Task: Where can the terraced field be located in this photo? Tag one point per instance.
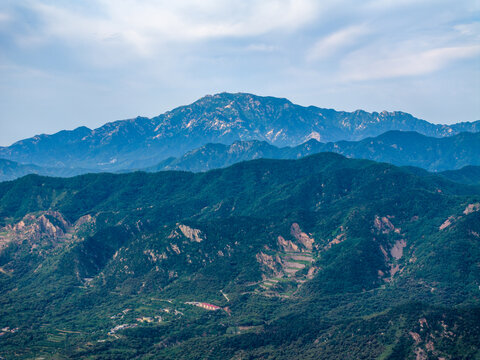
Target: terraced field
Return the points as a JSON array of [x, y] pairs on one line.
[[296, 268]]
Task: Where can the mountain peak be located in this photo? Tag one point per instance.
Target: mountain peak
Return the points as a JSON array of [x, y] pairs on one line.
[[218, 118], [240, 97]]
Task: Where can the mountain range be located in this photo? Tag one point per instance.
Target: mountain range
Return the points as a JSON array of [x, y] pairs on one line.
[[222, 118], [243, 227], [401, 148], [396, 147], [10, 170], [323, 257]]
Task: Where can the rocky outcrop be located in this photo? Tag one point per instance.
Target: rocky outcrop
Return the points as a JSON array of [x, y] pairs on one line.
[[397, 250], [447, 223], [471, 208], [269, 262], [85, 220], [50, 224], [384, 225], [336, 240], [301, 237], [192, 234], [286, 245], [427, 336], [45, 227]]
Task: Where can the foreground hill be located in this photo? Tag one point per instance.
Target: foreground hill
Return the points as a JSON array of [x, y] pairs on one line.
[[395, 147], [323, 257], [222, 118], [466, 175]]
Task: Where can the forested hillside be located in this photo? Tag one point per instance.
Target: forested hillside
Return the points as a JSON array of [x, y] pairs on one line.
[[322, 257]]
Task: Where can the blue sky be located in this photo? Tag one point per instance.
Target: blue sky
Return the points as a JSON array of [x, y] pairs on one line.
[[69, 63]]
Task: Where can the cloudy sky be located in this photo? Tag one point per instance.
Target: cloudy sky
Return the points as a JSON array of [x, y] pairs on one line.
[[69, 63]]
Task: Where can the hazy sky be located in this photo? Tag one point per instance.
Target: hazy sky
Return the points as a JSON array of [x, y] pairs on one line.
[[69, 63]]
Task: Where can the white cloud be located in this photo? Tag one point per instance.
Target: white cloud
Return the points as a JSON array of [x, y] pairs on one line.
[[375, 5], [470, 29], [333, 43], [4, 17], [261, 48], [146, 25], [401, 64]]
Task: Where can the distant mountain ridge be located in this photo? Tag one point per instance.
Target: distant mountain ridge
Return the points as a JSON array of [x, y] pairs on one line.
[[221, 118], [10, 170], [396, 147]]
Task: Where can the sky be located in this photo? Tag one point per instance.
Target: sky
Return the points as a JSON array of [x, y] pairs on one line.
[[65, 64]]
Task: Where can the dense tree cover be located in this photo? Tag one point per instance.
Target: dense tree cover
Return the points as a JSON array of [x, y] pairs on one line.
[[393, 269]]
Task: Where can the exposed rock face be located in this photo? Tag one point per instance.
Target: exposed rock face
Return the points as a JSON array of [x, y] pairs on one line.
[[270, 262], [301, 237], [48, 226], [415, 336], [471, 208], [84, 220], [384, 225], [337, 240], [175, 248], [447, 223], [393, 270], [426, 336], [391, 259], [49, 223], [397, 250], [311, 272], [286, 245], [192, 234], [384, 252], [154, 256]]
